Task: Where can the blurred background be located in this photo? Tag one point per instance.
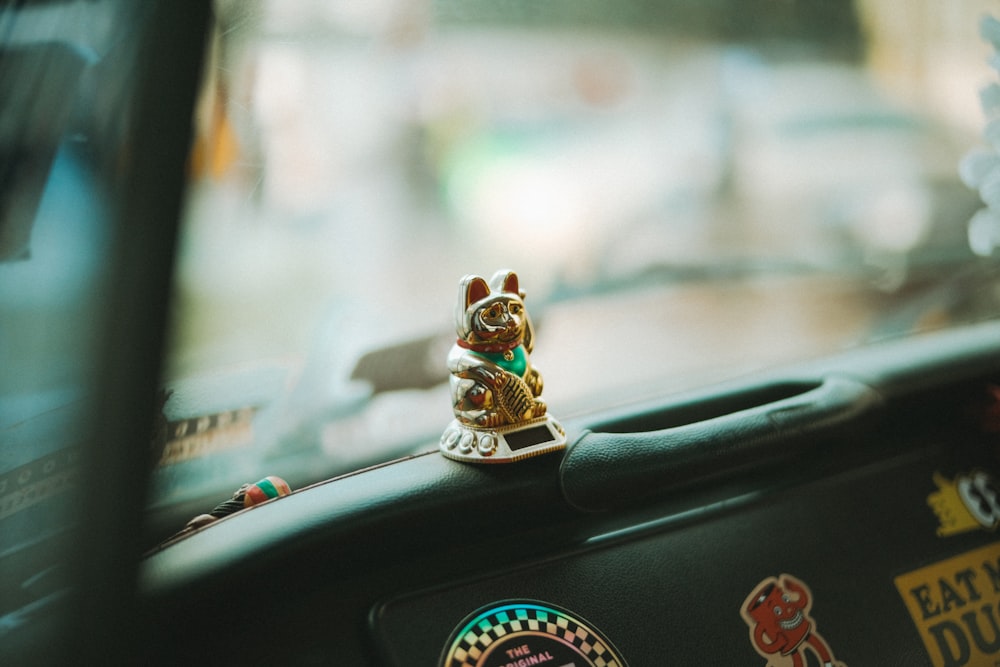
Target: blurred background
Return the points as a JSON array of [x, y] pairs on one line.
[[689, 190]]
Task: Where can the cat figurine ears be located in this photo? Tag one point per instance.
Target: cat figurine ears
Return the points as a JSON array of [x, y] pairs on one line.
[[500, 416]]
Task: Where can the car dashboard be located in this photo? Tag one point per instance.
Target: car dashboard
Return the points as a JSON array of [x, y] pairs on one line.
[[862, 488]]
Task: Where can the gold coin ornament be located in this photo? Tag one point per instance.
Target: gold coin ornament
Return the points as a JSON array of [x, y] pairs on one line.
[[496, 392]]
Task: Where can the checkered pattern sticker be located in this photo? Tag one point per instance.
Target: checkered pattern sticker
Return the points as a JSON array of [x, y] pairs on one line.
[[522, 634]]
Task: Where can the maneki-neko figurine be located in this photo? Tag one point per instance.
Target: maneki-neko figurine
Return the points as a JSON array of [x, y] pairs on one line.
[[496, 392]]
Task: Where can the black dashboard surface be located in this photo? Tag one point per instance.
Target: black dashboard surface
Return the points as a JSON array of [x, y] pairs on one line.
[[866, 513]]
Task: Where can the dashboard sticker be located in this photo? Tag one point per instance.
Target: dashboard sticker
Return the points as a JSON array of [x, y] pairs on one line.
[[781, 629], [967, 502], [522, 633], [954, 606]]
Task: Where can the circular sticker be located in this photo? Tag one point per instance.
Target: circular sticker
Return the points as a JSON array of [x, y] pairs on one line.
[[521, 633]]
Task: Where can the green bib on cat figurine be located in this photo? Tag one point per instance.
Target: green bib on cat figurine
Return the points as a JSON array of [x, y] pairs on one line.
[[518, 365]]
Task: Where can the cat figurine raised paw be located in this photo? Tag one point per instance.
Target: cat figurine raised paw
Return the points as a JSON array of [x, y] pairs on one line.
[[496, 392]]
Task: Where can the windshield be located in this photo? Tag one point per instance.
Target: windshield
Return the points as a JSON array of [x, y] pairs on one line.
[[687, 192]]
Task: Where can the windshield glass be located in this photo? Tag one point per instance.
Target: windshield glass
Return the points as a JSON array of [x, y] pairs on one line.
[[688, 192]]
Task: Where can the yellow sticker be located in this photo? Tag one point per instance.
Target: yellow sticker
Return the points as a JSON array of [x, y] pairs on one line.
[[954, 606], [968, 502]]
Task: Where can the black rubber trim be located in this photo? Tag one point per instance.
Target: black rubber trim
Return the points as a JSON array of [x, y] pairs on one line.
[[605, 470]]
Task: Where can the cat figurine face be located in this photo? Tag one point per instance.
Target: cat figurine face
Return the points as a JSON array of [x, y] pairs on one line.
[[492, 381], [491, 316]]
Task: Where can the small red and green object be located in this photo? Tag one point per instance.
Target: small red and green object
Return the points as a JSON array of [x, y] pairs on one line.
[[248, 495], [264, 490]]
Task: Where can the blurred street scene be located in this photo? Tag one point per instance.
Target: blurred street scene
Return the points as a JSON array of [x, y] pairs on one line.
[[688, 194]]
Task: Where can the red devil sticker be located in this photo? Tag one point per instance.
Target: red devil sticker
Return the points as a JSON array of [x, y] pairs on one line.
[[780, 626]]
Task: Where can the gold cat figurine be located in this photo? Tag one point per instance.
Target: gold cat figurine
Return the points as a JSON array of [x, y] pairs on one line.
[[493, 383], [496, 392]]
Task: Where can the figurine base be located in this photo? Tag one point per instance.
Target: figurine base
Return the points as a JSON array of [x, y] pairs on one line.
[[502, 445]]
